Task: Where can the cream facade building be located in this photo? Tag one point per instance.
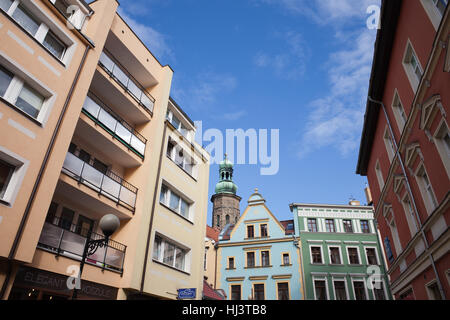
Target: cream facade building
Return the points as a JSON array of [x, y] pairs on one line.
[[88, 128]]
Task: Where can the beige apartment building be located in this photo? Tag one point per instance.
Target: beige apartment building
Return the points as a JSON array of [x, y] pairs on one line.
[[88, 128]]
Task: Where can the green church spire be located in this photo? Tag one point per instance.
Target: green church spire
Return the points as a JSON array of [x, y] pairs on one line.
[[226, 184]]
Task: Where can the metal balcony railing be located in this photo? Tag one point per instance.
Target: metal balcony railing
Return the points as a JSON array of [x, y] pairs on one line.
[[108, 184], [66, 239], [117, 127], [126, 80]]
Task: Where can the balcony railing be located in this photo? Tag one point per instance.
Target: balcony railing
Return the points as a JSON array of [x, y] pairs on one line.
[[108, 184], [112, 123], [126, 80], [63, 238]]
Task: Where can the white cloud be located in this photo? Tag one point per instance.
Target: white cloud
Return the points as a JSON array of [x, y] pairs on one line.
[[324, 12], [203, 91], [154, 40], [336, 119], [291, 62]]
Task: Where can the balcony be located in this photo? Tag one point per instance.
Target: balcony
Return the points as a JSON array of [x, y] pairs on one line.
[[68, 240], [114, 125], [126, 81], [107, 184]]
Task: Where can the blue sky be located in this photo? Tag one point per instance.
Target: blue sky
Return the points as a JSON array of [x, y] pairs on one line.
[[299, 66]]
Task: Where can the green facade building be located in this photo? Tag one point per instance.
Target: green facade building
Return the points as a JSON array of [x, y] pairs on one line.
[[341, 254]]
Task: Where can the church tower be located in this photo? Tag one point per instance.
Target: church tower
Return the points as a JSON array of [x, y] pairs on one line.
[[225, 201]]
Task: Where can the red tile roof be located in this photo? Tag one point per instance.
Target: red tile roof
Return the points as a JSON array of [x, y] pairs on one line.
[[212, 233], [210, 293], [285, 225]]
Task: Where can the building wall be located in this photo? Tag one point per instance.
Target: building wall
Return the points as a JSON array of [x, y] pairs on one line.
[[277, 243], [418, 145], [109, 32], [323, 239]]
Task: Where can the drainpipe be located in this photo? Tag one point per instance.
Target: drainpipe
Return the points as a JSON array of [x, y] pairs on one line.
[[382, 257], [144, 269], [37, 183], [416, 212]]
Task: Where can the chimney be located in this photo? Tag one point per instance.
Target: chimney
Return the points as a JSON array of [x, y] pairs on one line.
[[368, 196], [354, 203]]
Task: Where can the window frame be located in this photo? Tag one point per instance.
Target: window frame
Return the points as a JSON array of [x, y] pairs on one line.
[[432, 12], [254, 259], [389, 144], [399, 111], [261, 229], [231, 290], [254, 291], [341, 261], [351, 226], [311, 255], [327, 224], [177, 247], [379, 175], [430, 200], [277, 283], [324, 279], [368, 226], [409, 69], [247, 231], [315, 224], [358, 255], [182, 198], [268, 257], [45, 25], [376, 256], [289, 259], [385, 292], [443, 149], [17, 176], [344, 280], [366, 293], [229, 264]]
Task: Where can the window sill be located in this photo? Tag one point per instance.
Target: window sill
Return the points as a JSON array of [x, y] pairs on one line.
[[230, 269], [173, 211], [33, 38], [286, 265], [12, 106], [173, 268], [4, 202], [257, 238], [258, 267]]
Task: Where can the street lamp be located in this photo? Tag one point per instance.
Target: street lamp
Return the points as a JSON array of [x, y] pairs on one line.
[[108, 224]]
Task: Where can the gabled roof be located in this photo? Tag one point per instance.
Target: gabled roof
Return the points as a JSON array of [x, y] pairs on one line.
[[212, 233], [390, 11]]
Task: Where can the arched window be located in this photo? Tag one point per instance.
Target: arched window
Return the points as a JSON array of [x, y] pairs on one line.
[[218, 221], [227, 219], [228, 175]]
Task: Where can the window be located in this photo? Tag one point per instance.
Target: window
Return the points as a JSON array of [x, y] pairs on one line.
[[365, 226], [312, 225], [26, 19], [340, 290], [265, 258], [286, 259], [263, 229], [174, 202], [407, 295], [360, 291], [84, 225], [236, 292], [283, 290], [329, 224], [353, 255], [177, 123], [258, 289], [395, 237], [433, 291], [348, 227], [6, 172], [250, 259], [440, 5], [389, 145], [371, 256], [169, 254], [66, 218], [177, 155], [231, 263], [320, 290], [378, 291], [17, 92], [54, 45], [5, 4], [379, 175], [250, 232], [409, 213], [335, 255], [442, 142], [426, 190], [316, 255], [51, 213], [412, 67], [218, 220], [5, 80], [399, 112]]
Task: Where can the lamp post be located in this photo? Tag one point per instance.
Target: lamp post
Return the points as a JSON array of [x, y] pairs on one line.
[[108, 224]]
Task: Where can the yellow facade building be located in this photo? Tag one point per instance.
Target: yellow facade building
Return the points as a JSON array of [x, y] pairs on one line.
[[88, 128]]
